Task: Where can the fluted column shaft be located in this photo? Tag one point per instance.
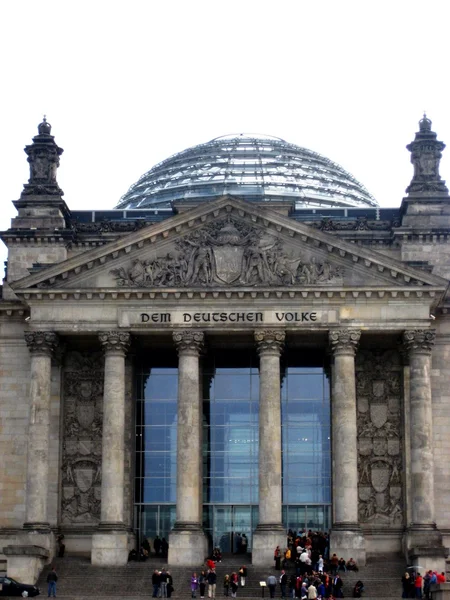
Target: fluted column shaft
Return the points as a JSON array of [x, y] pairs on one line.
[[419, 344], [115, 345], [269, 346], [189, 468], [343, 343], [41, 345]]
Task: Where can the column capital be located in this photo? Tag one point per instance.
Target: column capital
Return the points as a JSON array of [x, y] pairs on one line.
[[270, 340], [116, 342], [344, 341], [420, 341], [189, 341], [42, 342]]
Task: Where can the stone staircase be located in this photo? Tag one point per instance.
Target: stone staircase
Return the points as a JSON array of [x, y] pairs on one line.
[[79, 580]]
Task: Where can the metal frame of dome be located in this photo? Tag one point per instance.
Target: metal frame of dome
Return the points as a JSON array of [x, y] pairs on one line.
[[251, 166]]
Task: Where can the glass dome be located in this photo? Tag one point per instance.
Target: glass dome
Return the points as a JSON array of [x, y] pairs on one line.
[[250, 166]]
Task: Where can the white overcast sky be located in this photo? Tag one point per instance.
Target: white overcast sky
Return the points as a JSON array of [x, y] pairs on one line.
[[126, 84]]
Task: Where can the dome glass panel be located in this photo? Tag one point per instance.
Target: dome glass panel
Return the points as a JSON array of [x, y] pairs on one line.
[[250, 166]]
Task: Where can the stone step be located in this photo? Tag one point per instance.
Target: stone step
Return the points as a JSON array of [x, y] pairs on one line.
[[79, 580]]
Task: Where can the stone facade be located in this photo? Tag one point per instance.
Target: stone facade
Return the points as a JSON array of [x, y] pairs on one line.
[[79, 298]]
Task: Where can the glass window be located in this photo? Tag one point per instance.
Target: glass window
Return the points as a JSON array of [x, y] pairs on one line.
[[305, 410], [231, 423]]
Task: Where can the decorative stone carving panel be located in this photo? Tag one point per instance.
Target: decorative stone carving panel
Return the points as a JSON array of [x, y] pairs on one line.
[[82, 438], [379, 390], [227, 252]]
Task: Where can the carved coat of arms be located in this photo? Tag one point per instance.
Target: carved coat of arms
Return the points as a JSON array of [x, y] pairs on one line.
[[227, 252]]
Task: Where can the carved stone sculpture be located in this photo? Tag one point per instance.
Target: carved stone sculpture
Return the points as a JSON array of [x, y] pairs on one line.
[[426, 154], [344, 341], [227, 253], [82, 445], [43, 156], [379, 390], [269, 340], [115, 341], [42, 342], [419, 340], [188, 340]]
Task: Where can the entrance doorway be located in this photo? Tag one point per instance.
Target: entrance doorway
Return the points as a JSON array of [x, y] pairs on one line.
[[230, 524]]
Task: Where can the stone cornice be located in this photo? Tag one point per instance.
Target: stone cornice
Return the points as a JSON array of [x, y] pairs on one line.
[[386, 267], [300, 293]]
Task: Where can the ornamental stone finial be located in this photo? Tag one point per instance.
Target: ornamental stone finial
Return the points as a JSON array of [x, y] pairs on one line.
[[270, 340], [189, 341], [344, 341], [43, 157], [115, 341], [419, 340], [42, 342], [426, 154]]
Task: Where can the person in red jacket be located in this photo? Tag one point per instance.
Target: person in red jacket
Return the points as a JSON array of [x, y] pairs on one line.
[[418, 581], [441, 577]]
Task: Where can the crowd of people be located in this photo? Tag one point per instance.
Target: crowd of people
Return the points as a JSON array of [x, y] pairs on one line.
[[313, 575], [416, 586], [162, 583]]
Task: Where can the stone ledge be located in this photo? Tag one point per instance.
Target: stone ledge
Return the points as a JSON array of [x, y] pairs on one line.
[[30, 550]]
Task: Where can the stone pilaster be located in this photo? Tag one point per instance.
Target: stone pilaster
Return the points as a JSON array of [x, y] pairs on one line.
[[346, 533], [110, 543], [424, 540], [41, 345], [187, 542], [269, 532]]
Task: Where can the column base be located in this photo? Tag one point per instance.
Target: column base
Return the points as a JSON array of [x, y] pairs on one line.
[[188, 545], [347, 540], [110, 545], [265, 539], [425, 547], [24, 563]]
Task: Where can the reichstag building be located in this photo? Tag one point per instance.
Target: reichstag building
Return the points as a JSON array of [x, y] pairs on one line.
[[246, 343]]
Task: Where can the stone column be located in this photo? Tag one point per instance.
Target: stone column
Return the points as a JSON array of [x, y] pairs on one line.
[[187, 541], [110, 543], [346, 536], [270, 532], [423, 535], [41, 345]]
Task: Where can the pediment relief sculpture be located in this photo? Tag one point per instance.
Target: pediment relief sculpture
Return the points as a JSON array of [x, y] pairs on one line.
[[227, 252]]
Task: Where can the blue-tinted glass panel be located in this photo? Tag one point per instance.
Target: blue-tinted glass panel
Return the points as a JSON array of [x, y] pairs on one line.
[[231, 423], [161, 386], [306, 452]]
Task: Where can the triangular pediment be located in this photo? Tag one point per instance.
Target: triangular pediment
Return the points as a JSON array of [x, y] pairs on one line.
[[227, 244]]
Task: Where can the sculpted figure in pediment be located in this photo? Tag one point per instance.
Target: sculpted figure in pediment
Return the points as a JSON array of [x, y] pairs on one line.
[[227, 253]]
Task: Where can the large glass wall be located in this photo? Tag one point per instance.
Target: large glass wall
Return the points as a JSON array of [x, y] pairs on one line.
[[230, 388], [230, 446], [306, 443], [156, 445]]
